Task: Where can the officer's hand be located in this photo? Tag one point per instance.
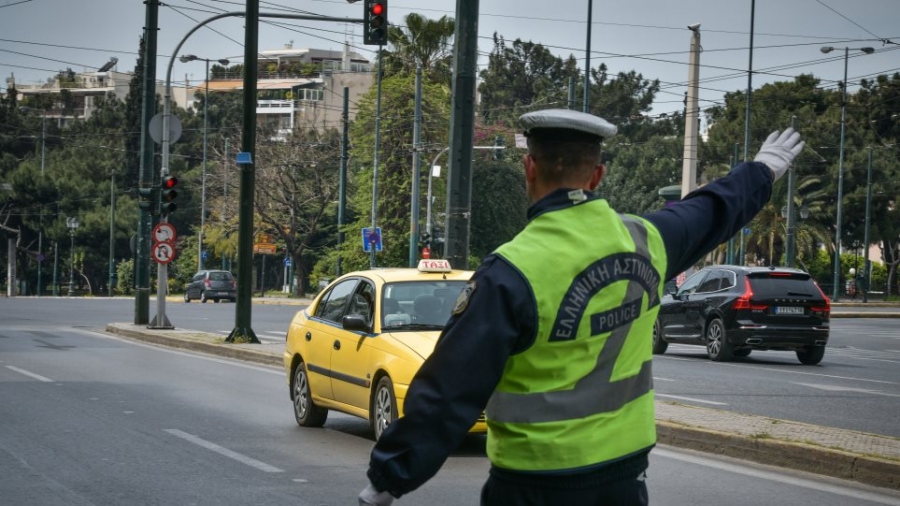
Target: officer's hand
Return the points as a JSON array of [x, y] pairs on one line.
[[779, 151], [371, 497]]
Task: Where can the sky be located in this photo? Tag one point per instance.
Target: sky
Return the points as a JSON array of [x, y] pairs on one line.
[[39, 38]]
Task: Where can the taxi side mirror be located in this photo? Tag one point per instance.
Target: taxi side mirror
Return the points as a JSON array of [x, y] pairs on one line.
[[355, 322]]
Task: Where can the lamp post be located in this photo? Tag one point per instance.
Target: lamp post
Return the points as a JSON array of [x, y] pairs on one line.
[[72, 223], [184, 59], [867, 274], [431, 174], [791, 231], [40, 257], [837, 233]]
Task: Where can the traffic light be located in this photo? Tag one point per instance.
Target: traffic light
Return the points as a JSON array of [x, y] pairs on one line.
[[499, 141], [375, 25], [168, 194], [146, 200]]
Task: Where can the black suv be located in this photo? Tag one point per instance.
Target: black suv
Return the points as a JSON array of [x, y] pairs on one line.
[[733, 310], [215, 285]]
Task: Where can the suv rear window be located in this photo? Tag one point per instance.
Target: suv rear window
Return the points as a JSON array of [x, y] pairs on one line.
[[220, 276], [782, 284]]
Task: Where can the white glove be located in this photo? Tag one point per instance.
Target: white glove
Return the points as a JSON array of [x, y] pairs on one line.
[[371, 497], [779, 151]]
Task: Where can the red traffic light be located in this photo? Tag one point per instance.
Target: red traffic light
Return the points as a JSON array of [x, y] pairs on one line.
[[169, 182], [377, 9]]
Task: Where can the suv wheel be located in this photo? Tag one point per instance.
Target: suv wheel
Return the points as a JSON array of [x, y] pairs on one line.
[[717, 346], [203, 298], [811, 355], [187, 298], [659, 345]]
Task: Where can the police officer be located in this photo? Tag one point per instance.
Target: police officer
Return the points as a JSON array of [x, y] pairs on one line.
[[551, 338]]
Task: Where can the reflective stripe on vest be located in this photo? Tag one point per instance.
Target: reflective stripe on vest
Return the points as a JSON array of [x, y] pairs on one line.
[[595, 393]]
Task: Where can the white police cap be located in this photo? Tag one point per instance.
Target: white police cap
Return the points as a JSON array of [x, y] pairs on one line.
[[566, 119]]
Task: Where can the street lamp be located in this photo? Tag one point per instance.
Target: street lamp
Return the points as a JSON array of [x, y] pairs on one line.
[[72, 223], [184, 59], [837, 234], [40, 257]]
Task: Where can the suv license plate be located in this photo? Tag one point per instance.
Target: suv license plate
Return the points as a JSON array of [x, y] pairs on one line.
[[789, 310]]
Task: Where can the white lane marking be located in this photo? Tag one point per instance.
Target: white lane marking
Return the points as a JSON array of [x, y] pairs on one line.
[[714, 403], [833, 388], [262, 466], [785, 371], [29, 373], [657, 378], [778, 477]]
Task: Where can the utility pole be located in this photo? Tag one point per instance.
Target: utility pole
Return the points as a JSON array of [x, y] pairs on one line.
[[342, 191], [789, 211], [586, 104], [225, 165], [242, 328], [416, 175], [691, 117], [867, 274], [375, 158], [749, 86], [148, 109], [112, 233], [459, 189]]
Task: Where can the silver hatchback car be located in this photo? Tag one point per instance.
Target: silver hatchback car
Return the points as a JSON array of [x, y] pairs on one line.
[[211, 285]]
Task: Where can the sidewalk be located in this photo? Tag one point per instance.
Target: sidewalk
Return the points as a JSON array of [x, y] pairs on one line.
[[866, 458]]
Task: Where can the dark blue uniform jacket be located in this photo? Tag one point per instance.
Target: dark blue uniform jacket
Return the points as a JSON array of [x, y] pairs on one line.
[[453, 386]]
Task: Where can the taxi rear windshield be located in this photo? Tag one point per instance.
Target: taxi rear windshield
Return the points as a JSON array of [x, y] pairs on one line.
[[777, 284]]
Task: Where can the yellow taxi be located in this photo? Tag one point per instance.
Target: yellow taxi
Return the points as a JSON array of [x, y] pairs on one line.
[[356, 348]]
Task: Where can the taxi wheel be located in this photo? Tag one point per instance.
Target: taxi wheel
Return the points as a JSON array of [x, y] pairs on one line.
[[203, 298], [384, 406], [305, 410]]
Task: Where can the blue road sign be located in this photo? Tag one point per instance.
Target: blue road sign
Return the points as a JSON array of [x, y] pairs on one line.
[[369, 238], [205, 254], [747, 231], [287, 261]]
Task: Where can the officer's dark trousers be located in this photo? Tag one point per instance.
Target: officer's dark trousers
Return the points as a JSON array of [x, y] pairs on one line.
[[544, 490]]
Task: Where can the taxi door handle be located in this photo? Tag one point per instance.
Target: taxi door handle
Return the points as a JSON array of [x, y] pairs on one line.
[[337, 344], [308, 336]]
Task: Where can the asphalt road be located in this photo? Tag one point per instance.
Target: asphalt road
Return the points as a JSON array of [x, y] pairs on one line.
[[89, 419], [857, 385]]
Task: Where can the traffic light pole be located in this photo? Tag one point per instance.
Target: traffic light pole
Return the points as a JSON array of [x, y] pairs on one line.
[[148, 109], [245, 239]]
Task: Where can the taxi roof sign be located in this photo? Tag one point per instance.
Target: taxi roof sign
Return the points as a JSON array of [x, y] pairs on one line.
[[434, 265]]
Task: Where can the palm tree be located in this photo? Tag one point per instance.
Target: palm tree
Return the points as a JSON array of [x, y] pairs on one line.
[[425, 42], [769, 228]]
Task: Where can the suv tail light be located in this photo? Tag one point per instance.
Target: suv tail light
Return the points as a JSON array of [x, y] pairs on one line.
[[744, 302], [823, 311], [233, 283], [206, 282]]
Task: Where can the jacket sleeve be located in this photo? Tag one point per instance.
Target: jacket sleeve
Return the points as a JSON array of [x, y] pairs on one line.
[[710, 215], [452, 388]]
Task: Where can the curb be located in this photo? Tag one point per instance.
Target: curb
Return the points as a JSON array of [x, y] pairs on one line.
[[804, 457], [866, 314], [192, 341]]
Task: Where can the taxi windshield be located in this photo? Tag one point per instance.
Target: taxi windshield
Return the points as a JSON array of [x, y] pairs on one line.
[[418, 305]]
